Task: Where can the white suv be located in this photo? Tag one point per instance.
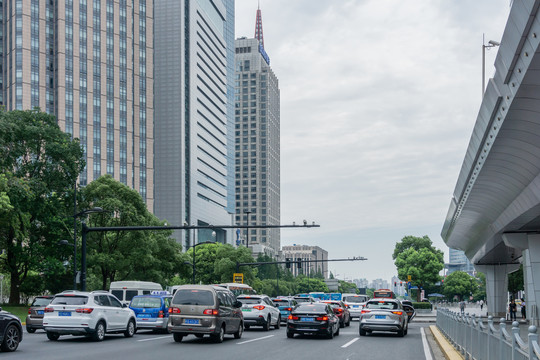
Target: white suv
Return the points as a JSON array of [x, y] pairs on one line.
[[259, 310], [87, 313]]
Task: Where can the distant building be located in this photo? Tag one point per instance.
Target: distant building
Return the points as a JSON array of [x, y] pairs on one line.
[[361, 283], [257, 145], [380, 284], [306, 252], [459, 262]]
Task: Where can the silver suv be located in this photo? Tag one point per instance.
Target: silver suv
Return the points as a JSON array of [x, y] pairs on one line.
[[87, 313], [260, 310]]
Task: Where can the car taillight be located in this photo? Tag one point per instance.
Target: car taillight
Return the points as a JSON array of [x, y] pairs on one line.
[[29, 310], [365, 311], [291, 317], [397, 312], [49, 309], [214, 312], [84, 310], [160, 314], [259, 307], [322, 318], [288, 309], [174, 310], [338, 310]]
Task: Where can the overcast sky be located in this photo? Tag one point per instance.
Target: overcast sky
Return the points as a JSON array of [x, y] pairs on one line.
[[378, 102]]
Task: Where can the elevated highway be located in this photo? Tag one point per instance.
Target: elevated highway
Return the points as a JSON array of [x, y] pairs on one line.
[[494, 214]]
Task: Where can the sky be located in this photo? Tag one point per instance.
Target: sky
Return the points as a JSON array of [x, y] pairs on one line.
[[378, 102]]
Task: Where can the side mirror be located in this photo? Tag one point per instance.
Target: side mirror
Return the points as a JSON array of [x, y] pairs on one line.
[[237, 304]]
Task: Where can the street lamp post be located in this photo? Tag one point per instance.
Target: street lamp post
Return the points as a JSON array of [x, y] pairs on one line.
[[193, 261], [491, 43], [247, 212]]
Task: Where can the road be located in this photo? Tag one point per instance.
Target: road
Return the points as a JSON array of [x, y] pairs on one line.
[[254, 344]]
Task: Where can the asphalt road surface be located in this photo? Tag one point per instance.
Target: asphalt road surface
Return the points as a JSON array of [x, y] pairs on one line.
[[254, 344]]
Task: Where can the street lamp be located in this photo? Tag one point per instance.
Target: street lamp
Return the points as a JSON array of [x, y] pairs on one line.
[[83, 250], [491, 43], [194, 246], [247, 212]]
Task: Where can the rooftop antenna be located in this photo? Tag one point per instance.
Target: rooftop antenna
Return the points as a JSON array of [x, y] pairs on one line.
[[258, 25]]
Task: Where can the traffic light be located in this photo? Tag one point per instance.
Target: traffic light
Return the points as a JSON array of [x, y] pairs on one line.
[[401, 283], [395, 283], [288, 263]]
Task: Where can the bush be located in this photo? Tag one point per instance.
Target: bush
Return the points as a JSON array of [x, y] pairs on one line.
[[421, 305]]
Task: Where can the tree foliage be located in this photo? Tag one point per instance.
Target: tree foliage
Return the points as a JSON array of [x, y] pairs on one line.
[[515, 281], [347, 287], [461, 284], [39, 163], [418, 258]]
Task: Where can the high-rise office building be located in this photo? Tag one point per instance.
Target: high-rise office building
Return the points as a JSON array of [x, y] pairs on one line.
[[458, 261], [90, 63], [312, 258], [257, 144], [194, 117]]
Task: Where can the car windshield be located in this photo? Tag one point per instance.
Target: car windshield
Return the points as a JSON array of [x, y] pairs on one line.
[[281, 302], [302, 300], [334, 305], [249, 301], [354, 299], [387, 305], [146, 302], [69, 300], [193, 297], [314, 308], [41, 302]]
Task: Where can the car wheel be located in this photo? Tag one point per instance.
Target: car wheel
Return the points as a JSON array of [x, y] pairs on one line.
[[52, 336], [401, 332], [218, 338], [178, 337], [199, 336], [30, 330], [278, 323], [331, 333], [290, 334], [99, 334], [238, 334], [406, 331], [362, 332], [12, 337], [246, 327], [348, 322], [342, 324], [130, 330], [266, 326], [337, 332]]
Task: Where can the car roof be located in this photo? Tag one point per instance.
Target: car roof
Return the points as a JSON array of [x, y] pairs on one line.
[[251, 296]]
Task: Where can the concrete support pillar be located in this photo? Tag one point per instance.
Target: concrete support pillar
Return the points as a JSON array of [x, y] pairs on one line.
[[529, 244], [497, 287]]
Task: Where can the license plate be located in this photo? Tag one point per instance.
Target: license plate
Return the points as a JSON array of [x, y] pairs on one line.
[[64, 313], [191, 321], [308, 319], [146, 316], [39, 312], [355, 306], [246, 310], [380, 316]]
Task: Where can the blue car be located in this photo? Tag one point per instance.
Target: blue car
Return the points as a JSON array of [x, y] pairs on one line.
[[152, 311], [285, 306]]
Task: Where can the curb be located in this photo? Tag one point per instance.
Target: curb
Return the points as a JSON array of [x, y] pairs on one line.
[[450, 353]]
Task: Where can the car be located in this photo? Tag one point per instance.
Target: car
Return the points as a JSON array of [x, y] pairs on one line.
[[355, 303], [285, 306], [341, 311], [313, 319], [87, 313], [126, 290], [259, 310], [384, 314], [34, 319], [11, 331], [205, 310], [152, 311], [304, 299]]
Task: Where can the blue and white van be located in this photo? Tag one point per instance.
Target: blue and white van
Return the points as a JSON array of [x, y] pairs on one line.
[[152, 311]]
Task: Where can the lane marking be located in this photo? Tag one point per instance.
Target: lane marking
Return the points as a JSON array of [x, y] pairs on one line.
[[427, 352], [156, 338], [350, 342], [248, 341]]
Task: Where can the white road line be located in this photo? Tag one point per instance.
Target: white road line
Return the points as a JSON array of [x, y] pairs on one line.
[[350, 342], [248, 341], [156, 338], [427, 352]]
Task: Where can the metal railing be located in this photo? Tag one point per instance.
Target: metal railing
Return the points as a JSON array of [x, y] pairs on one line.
[[476, 341]]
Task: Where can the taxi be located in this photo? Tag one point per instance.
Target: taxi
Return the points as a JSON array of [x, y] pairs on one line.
[[152, 311]]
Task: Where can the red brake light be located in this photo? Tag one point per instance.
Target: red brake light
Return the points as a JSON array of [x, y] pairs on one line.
[[49, 309], [259, 307], [214, 312], [291, 317], [174, 310], [364, 311], [322, 318], [288, 309], [397, 312], [338, 310], [160, 314], [84, 310], [29, 311]]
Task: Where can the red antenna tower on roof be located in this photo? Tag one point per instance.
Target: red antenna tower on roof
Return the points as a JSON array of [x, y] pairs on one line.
[[258, 27]]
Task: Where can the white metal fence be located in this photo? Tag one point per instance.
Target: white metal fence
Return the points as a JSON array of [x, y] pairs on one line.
[[478, 341]]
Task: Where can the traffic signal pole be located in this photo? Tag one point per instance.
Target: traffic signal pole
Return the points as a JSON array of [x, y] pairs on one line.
[[258, 263]]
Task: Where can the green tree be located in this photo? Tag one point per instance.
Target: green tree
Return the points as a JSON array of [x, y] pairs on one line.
[[347, 287], [39, 162], [306, 285], [149, 255], [459, 283], [416, 257], [515, 281]]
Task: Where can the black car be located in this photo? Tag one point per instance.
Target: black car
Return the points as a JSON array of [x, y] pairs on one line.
[[313, 319], [10, 331]]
